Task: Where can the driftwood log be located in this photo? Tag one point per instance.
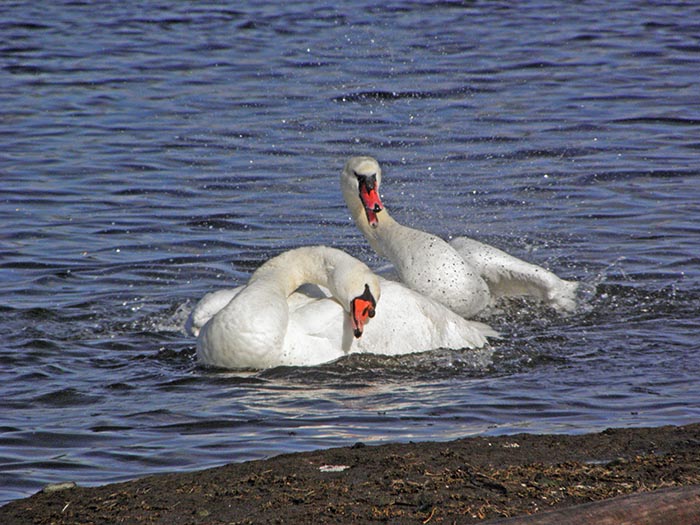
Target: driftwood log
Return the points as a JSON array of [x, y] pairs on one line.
[[675, 506]]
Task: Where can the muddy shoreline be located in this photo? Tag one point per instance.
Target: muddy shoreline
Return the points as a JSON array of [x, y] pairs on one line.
[[469, 480]]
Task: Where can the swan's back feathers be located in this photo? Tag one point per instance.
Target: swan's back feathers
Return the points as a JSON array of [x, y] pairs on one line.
[[207, 307], [408, 322], [249, 331]]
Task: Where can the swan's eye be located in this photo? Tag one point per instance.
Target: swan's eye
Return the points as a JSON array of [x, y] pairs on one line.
[[371, 312], [367, 181], [367, 296]]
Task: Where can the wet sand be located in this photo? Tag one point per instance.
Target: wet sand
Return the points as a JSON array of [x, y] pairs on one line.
[[470, 480]]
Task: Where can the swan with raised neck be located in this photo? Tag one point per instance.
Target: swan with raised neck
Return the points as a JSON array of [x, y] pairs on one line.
[[464, 275]]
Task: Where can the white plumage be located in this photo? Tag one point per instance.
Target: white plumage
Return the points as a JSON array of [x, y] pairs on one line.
[[294, 311], [464, 275]]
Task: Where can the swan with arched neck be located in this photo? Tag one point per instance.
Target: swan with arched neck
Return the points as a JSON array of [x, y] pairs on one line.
[[312, 305]]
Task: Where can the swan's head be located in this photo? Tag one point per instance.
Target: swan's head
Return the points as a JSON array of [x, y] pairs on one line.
[[362, 309], [360, 180], [356, 287]]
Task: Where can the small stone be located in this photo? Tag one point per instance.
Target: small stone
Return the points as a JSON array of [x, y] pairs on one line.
[[56, 487], [333, 468]]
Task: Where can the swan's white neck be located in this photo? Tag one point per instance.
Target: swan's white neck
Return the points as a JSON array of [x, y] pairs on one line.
[[372, 233], [387, 237], [327, 267]]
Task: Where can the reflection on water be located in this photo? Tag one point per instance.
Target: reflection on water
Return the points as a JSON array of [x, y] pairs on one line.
[[151, 156]]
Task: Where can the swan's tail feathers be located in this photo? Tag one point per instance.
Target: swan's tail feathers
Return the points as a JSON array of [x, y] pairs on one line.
[[562, 297], [470, 334], [486, 330]]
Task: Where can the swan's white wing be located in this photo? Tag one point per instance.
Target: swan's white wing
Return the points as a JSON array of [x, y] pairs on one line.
[[431, 267], [316, 332], [213, 302], [508, 276], [407, 322]]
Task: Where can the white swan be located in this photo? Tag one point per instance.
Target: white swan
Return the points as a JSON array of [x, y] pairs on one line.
[[464, 275], [274, 320]]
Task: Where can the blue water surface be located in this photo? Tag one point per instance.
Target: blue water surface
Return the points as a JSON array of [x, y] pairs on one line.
[[152, 152]]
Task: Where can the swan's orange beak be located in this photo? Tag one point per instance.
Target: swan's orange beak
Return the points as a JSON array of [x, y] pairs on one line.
[[362, 309], [370, 197]]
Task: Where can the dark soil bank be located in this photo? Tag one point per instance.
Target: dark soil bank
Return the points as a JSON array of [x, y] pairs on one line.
[[464, 481]]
